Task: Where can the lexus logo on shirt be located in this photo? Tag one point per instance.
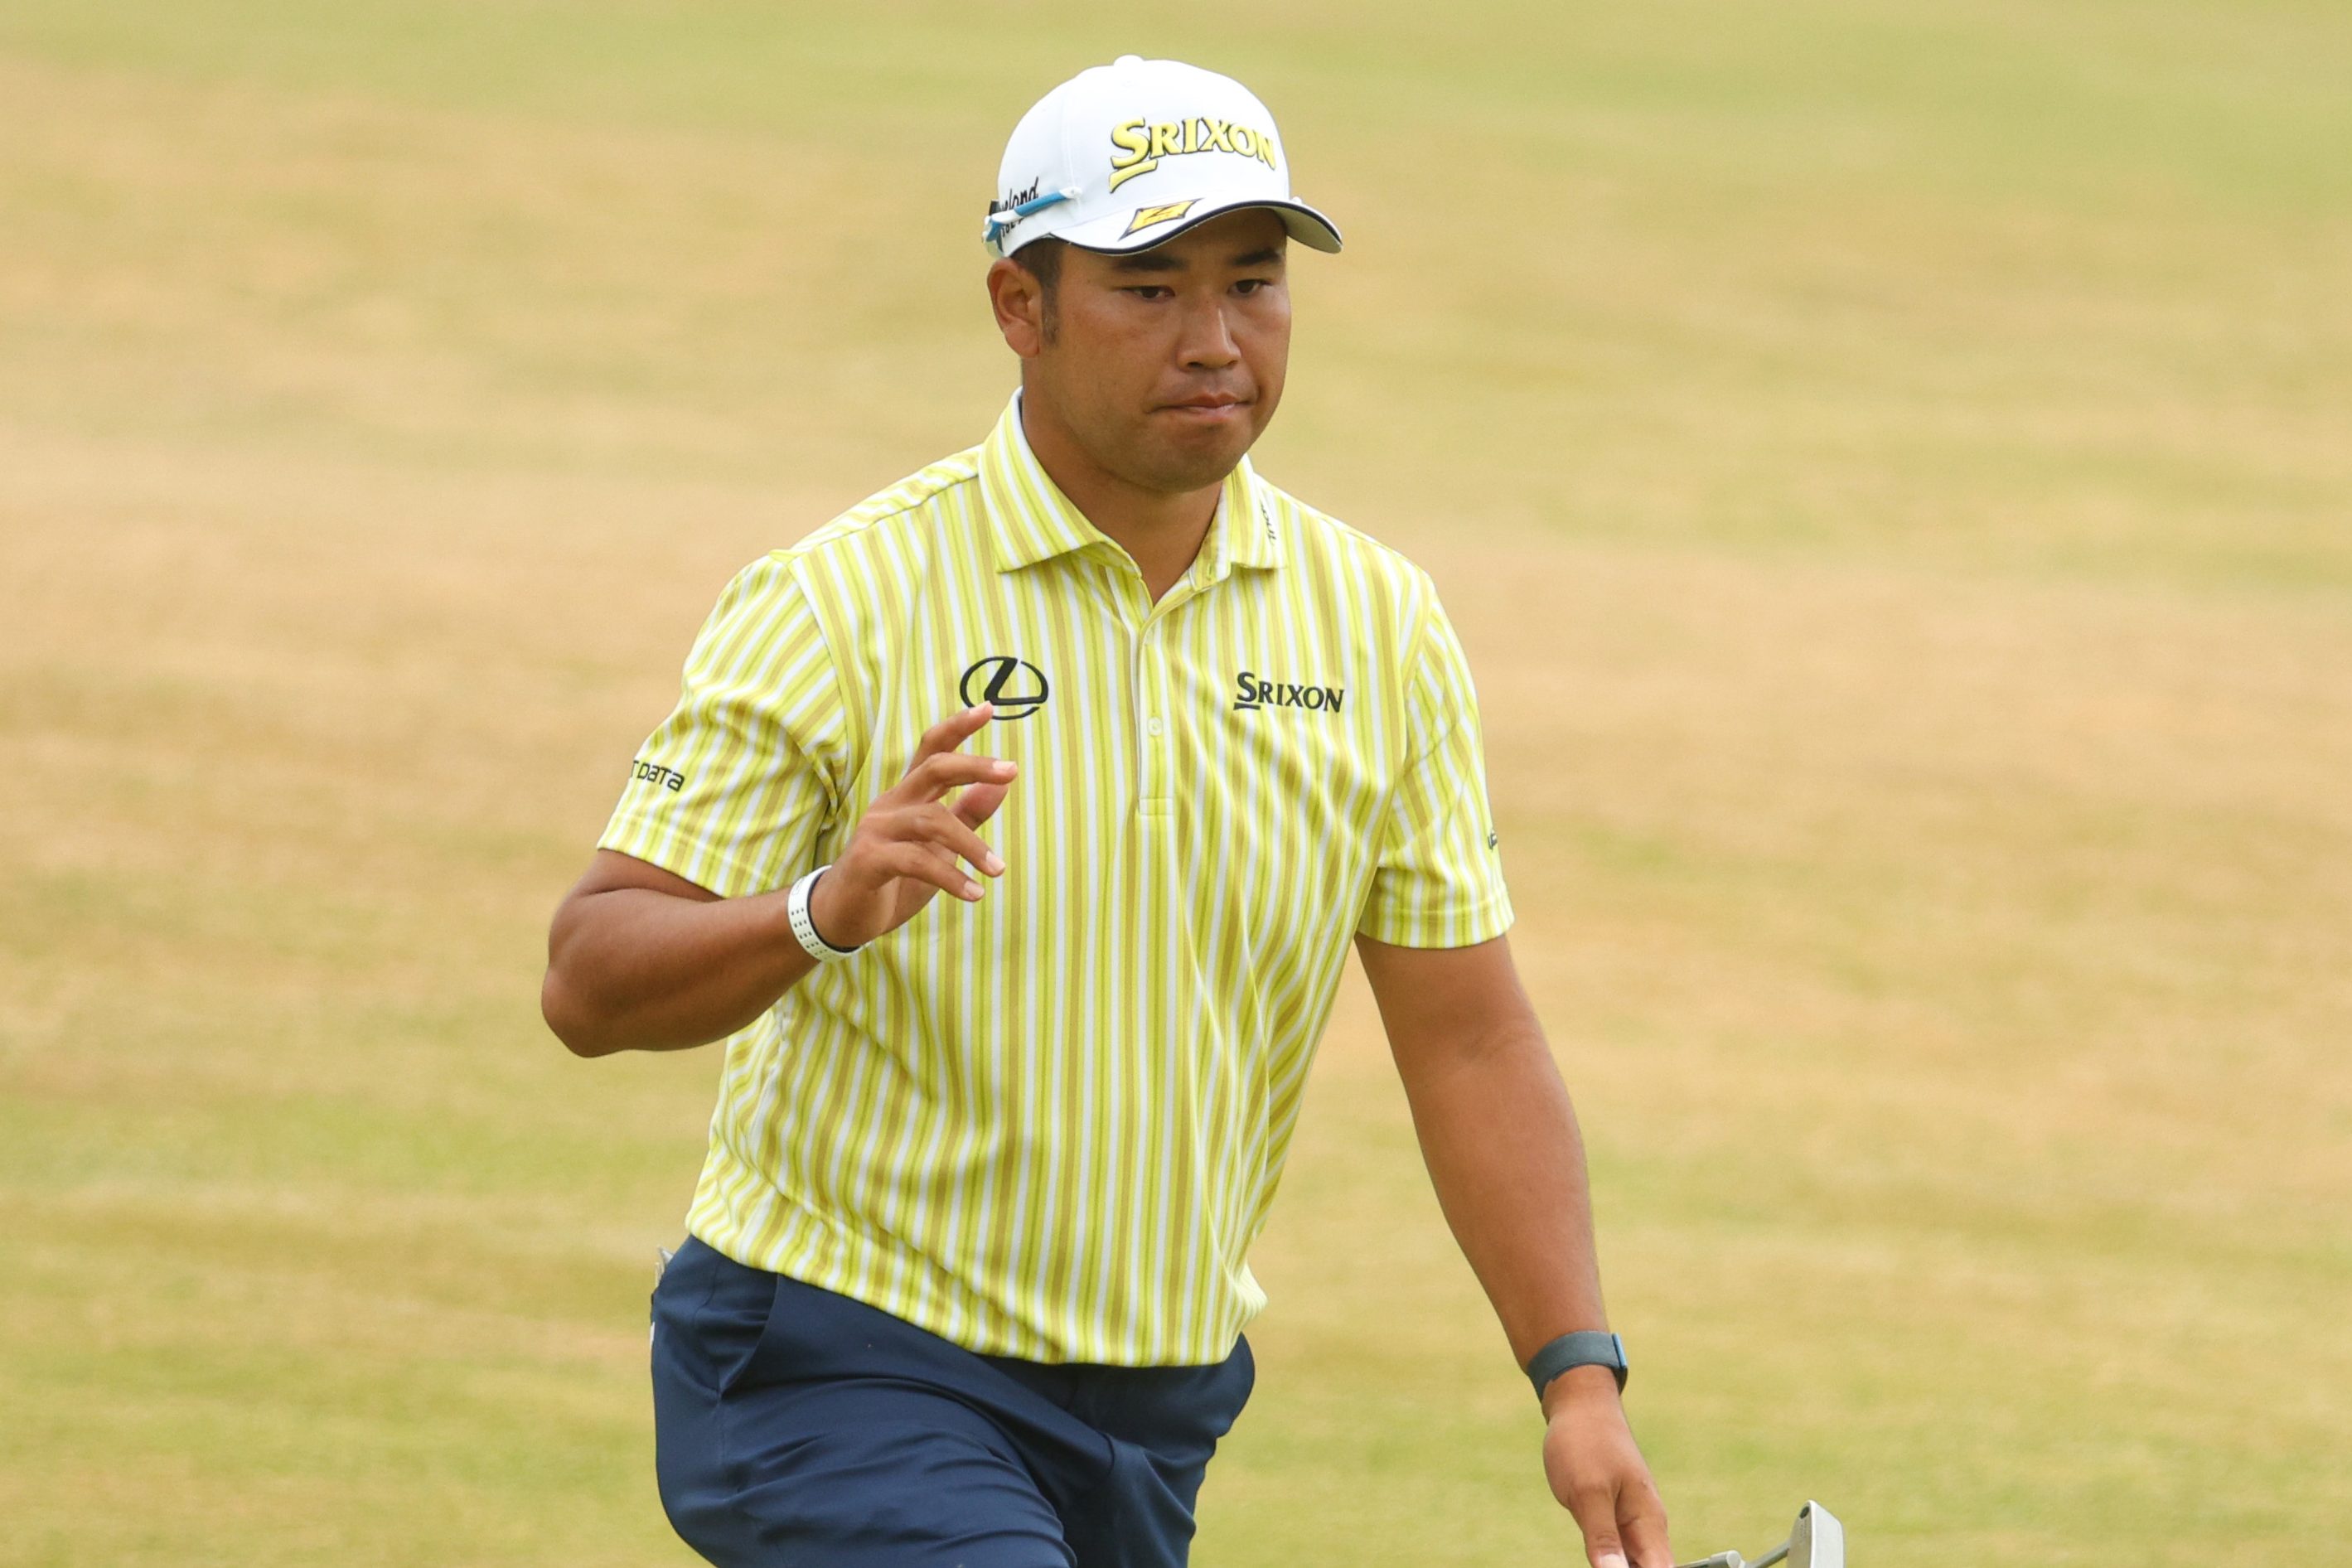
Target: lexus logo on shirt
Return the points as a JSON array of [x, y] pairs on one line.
[[1015, 685]]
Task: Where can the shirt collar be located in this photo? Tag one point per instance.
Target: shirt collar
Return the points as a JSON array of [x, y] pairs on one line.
[[1032, 521]]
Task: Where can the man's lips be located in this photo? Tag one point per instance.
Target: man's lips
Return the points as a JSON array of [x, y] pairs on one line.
[[1207, 407]]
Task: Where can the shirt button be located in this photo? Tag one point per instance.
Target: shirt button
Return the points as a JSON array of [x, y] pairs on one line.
[[1154, 727]]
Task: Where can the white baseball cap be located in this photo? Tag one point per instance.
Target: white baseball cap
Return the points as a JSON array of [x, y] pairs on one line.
[[1127, 155]]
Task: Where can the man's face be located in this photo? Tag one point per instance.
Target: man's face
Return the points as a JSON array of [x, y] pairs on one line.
[[1165, 364]]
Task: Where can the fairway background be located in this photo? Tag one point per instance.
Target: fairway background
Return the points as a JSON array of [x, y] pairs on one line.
[[1890, 467]]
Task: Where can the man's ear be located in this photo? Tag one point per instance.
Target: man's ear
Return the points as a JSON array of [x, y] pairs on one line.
[[1019, 301]]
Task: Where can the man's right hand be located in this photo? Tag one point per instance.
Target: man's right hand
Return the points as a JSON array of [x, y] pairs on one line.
[[913, 843], [639, 959]]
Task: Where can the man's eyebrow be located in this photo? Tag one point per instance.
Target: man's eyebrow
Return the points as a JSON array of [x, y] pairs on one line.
[[1158, 260]]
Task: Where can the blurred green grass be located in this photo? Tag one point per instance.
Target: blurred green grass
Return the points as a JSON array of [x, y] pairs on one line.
[[1889, 462]]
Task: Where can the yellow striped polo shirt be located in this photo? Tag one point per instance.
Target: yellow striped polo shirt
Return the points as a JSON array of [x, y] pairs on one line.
[[1050, 1124]]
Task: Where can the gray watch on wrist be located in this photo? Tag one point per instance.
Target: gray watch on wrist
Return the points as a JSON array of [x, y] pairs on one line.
[[1586, 1348]]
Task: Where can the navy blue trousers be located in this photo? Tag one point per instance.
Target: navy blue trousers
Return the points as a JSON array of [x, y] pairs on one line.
[[794, 1426]]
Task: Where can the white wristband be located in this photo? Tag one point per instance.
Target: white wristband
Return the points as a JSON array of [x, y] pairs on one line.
[[796, 909]]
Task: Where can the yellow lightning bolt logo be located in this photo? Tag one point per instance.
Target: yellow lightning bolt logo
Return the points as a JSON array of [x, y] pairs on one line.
[[1146, 217]]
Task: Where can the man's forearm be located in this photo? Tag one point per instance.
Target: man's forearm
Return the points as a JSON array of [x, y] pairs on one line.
[[1500, 1138], [635, 969]]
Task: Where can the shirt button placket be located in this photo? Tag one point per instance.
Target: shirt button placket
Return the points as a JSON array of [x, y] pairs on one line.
[[1152, 700]]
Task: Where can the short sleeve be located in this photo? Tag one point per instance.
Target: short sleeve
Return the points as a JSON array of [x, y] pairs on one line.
[[731, 791], [1439, 878]]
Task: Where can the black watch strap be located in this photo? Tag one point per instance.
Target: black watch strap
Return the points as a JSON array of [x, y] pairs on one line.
[[1589, 1347]]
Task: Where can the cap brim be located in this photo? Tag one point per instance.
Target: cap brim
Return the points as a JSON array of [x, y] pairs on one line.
[[1308, 226]]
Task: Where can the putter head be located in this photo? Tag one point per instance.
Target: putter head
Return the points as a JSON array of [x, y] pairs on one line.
[[1818, 1540]]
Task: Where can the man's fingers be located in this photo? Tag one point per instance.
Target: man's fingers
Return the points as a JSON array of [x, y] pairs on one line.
[[1642, 1518], [975, 804], [922, 862], [952, 732], [943, 827], [936, 775], [910, 834], [1597, 1474], [1595, 1508]]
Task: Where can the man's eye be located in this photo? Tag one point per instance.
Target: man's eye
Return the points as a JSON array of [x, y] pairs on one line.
[[1149, 290]]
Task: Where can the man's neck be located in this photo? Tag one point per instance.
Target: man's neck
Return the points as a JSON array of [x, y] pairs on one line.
[[1161, 529]]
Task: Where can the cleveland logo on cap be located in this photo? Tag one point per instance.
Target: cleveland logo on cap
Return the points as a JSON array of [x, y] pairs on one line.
[[1142, 145]]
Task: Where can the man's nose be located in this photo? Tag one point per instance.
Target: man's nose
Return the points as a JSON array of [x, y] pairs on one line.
[[1208, 343]]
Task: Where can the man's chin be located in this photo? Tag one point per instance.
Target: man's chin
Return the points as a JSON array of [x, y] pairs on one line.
[[1196, 459], [1175, 478]]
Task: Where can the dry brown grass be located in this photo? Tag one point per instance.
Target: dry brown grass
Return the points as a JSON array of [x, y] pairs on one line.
[[1893, 485]]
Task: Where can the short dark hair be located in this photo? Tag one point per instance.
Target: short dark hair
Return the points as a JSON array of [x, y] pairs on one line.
[[1042, 260]]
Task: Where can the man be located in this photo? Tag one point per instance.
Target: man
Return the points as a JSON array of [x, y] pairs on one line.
[[967, 1270]]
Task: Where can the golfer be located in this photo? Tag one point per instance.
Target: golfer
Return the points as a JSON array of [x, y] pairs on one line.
[[1011, 830]]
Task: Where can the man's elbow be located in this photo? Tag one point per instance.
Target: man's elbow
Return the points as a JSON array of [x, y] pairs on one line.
[[570, 1020]]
